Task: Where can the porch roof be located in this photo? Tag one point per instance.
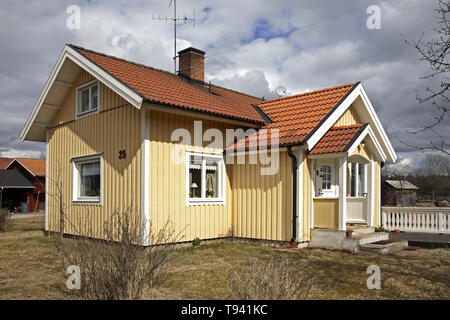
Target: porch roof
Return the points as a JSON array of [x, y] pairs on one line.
[[338, 139]]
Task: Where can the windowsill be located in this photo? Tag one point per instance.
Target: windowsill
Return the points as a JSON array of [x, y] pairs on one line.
[[87, 113], [326, 198], [205, 202], [93, 202]]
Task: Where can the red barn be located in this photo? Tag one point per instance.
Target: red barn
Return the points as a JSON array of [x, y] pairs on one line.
[[34, 171]]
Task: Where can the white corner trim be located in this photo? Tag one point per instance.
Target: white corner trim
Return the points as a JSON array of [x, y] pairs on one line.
[[331, 120], [145, 177], [372, 193], [312, 190], [68, 53], [343, 193], [299, 195], [47, 160]]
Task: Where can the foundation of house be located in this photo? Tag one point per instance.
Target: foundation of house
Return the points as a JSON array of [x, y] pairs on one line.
[[337, 239]]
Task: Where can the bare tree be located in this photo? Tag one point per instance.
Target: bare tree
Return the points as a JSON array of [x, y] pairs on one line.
[[435, 53]]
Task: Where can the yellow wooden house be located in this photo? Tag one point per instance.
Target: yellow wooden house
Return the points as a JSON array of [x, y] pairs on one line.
[[216, 162]]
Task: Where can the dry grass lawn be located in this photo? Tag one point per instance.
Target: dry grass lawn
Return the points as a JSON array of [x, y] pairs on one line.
[[29, 269]]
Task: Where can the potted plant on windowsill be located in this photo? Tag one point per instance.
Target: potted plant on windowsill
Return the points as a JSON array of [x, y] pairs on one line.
[[348, 232]]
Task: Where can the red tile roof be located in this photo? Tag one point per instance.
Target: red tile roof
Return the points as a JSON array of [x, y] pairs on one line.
[[4, 162], [163, 87], [35, 166], [337, 139], [296, 117]]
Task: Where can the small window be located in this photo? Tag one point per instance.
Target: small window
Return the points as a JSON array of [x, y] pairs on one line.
[[205, 179], [87, 99], [326, 177], [325, 185], [357, 180], [87, 180]]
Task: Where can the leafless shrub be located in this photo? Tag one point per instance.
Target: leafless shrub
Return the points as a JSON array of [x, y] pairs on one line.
[[118, 267], [275, 279], [4, 220], [442, 269]]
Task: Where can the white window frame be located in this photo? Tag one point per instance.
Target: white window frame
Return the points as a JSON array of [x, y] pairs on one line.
[[203, 200], [76, 199], [331, 193], [350, 178], [89, 85]]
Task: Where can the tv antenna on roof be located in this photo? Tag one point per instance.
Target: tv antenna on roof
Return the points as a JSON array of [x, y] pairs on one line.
[[176, 20]]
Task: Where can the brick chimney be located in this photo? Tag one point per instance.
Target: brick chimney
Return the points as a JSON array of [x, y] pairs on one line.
[[192, 64]]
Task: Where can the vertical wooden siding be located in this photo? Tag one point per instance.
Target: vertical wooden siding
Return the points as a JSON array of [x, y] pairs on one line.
[[326, 213], [107, 98], [107, 132], [348, 118], [168, 182], [262, 204]]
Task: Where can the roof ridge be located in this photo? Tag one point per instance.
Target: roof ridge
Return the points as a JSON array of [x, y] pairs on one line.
[[311, 92], [153, 68]]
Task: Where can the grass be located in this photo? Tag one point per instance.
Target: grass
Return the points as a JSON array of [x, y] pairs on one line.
[[29, 269]]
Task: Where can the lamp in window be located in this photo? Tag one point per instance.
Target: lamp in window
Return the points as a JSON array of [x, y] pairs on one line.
[[193, 187]]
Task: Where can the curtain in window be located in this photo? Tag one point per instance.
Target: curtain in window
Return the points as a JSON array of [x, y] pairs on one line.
[[212, 179], [90, 179]]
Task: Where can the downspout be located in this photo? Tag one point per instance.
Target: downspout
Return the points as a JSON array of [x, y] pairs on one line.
[[294, 198]]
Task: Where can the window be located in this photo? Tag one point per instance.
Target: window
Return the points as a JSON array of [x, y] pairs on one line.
[[325, 186], [87, 98], [87, 180], [205, 177], [357, 180], [326, 177]]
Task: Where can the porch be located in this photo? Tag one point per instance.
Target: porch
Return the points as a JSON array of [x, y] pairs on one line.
[[346, 192]]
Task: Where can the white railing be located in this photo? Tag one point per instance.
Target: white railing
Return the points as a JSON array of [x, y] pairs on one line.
[[416, 219]]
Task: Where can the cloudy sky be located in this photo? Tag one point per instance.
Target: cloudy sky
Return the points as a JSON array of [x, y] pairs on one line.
[[252, 46]]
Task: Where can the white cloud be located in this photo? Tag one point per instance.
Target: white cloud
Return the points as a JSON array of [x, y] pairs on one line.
[[314, 49]]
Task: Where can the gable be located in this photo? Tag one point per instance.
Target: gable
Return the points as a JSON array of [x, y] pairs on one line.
[[136, 84], [107, 99], [362, 110], [348, 118]]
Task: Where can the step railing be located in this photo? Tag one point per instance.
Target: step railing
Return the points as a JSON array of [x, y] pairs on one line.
[[416, 219]]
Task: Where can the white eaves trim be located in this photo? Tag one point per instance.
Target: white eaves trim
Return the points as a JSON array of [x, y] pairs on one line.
[[331, 120], [367, 131], [69, 53]]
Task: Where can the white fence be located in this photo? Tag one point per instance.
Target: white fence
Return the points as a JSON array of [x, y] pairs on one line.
[[416, 219]]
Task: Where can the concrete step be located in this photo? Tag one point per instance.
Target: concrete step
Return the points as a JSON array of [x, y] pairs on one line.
[[354, 242], [384, 246], [357, 230], [331, 238]]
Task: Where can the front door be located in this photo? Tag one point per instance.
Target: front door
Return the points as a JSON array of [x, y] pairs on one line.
[[357, 193]]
